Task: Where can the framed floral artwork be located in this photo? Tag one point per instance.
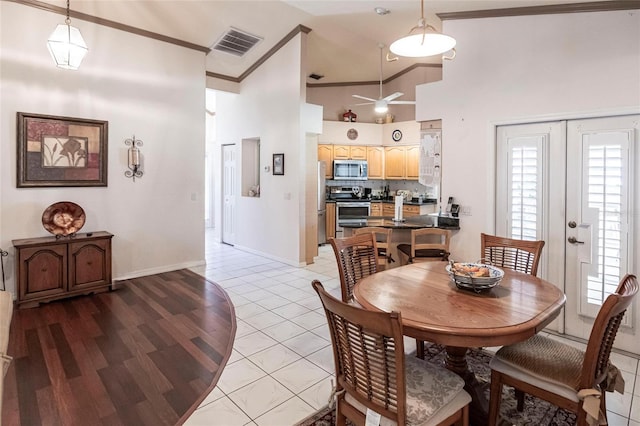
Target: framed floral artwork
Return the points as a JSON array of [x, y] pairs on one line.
[[61, 151]]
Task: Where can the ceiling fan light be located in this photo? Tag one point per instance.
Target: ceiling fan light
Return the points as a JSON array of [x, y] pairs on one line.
[[381, 107], [418, 45]]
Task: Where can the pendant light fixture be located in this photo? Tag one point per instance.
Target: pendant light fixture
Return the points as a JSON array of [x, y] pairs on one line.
[[66, 45], [423, 40]]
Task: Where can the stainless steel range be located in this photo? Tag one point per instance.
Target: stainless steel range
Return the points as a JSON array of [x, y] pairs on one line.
[[350, 205]]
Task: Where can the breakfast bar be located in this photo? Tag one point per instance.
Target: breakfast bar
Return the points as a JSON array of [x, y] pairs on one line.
[[401, 229]]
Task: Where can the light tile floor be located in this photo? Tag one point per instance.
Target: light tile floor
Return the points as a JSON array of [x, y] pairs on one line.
[[281, 367]]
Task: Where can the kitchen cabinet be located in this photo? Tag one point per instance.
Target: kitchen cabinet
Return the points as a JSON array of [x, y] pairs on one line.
[[330, 225], [376, 209], [349, 152], [401, 162], [394, 162], [412, 167], [325, 153], [48, 268], [388, 209], [410, 210], [375, 162]]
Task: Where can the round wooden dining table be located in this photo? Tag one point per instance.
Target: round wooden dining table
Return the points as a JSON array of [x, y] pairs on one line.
[[433, 309]]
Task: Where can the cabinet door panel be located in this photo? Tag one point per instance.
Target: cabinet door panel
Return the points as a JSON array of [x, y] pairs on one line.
[[341, 152], [331, 221], [408, 211], [325, 153], [375, 162], [394, 162], [412, 158], [43, 271], [388, 209], [376, 209], [358, 153], [89, 264]]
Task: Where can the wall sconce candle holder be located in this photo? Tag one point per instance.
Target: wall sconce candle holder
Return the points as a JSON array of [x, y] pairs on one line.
[[133, 158]]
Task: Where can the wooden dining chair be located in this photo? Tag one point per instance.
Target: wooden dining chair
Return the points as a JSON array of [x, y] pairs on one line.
[[424, 248], [559, 373], [383, 241], [357, 257], [372, 370], [518, 255]]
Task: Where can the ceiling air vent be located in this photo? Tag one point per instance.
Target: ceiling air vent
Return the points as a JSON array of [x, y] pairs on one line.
[[236, 42]]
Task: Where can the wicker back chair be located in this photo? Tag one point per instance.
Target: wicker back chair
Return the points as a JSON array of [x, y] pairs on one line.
[[370, 369], [557, 372], [357, 257], [519, 255], [423, 247], [383, 241]]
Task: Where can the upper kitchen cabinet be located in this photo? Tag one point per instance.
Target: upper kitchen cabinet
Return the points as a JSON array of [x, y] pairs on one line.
[[412, 157], [349, 152], [401, 162], [347, 133], [375, 162], [325, 153]]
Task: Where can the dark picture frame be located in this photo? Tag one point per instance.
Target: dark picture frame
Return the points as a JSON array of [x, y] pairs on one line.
[[58, 151], [278, 164]]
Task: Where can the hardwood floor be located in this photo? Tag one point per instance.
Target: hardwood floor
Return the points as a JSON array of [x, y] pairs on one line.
[[145, 354]]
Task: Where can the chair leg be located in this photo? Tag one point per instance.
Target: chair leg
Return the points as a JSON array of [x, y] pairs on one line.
[[519, 400], [420, 349], [603, 404], [495, 398], [341, 419]]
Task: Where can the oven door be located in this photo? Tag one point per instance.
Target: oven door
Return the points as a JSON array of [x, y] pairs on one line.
[[351, 212]]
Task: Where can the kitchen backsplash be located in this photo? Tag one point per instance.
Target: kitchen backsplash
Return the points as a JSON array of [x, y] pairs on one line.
[[394, 185]]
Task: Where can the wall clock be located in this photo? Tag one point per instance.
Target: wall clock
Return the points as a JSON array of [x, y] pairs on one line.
[[396, 135], [352, 134]]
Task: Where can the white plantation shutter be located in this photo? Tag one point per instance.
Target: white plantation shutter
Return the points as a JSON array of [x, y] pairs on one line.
[[524, 187], [605, 203]]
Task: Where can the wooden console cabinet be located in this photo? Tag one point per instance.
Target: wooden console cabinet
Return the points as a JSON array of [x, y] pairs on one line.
[[48, 268]]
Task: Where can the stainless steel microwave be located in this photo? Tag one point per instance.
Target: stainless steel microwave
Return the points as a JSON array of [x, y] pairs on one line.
[[350, 169]]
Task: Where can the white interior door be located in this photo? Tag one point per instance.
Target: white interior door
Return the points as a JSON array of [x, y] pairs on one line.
[[600, 223], [229, 189]]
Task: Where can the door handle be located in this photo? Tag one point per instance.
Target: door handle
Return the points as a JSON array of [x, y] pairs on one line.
[[573, 240]]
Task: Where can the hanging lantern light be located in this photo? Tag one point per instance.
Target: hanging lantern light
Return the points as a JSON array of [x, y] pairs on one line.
[[66, 45]]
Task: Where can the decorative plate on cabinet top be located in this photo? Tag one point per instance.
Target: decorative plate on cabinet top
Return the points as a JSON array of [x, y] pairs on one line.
[[63, 218]]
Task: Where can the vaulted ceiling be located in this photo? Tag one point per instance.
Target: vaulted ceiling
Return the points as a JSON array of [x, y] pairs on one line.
[[342, 44]]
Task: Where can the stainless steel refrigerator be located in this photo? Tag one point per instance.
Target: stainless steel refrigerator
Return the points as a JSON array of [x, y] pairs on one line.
[[322, 204]]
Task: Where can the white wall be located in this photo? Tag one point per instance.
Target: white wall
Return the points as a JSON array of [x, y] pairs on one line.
[[336, 100], [269, 107], [520, 69], [140, 86]]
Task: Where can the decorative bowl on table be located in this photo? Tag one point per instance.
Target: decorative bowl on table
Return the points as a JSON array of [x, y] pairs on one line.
[[474, 276]]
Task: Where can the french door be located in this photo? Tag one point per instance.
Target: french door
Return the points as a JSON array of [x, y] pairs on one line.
[[573, 184]]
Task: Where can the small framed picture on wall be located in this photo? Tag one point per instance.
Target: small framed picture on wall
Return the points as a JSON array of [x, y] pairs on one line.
[[278, 164]]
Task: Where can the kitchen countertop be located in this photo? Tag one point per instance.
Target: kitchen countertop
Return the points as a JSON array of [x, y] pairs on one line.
[[414, 222], [409, 203]]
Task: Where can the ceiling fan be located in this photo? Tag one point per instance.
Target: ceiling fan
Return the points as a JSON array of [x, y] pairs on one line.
[[381, 105]]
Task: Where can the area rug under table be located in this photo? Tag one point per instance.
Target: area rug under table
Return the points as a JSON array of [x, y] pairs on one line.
[[536, 411]]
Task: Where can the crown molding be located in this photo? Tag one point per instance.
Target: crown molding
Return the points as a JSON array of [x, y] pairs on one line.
[[111, 24], [596, 6], [294, 32], [369, 83]]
